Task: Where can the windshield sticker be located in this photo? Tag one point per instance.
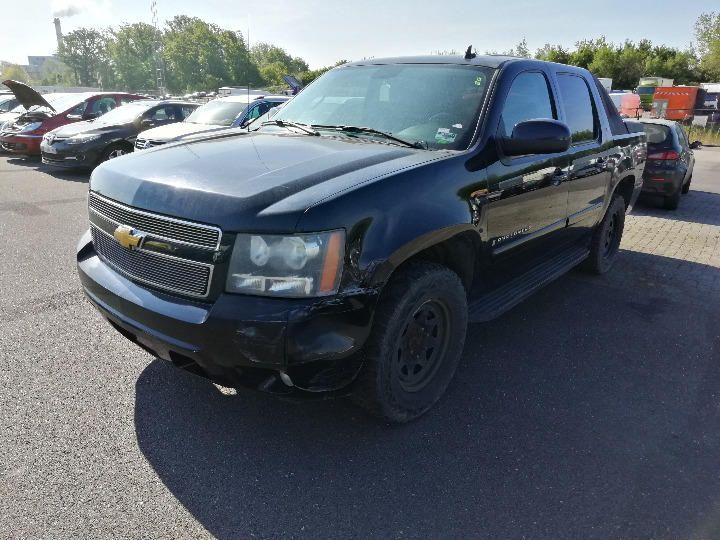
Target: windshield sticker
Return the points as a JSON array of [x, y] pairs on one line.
[[479, 81], [445, 136], [457, 126]]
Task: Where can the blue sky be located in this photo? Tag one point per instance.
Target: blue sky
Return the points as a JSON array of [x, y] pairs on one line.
[[324, 31]]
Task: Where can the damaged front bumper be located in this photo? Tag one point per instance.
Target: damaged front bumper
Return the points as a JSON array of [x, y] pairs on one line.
[[271, 344]]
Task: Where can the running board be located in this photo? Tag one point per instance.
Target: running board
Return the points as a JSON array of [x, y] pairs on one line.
[[496, 302]]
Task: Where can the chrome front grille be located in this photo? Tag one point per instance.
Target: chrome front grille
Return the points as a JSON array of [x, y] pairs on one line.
[[141, 144], [178, 274], [185, 232], [161, 271]]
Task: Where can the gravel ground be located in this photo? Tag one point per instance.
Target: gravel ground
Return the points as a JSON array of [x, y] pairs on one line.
[[590, 410]]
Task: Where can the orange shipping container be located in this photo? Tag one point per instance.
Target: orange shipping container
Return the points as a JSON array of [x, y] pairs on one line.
[[674, 102]]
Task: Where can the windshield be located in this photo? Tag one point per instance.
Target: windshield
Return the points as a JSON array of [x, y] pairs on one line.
[[435, 105], [60, 102], [646, 90], [220, 113], [124, 114], [657, 134]]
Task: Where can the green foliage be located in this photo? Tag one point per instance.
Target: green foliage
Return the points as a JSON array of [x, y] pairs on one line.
[[16, 73], [274, 63], [132, 53], [84, 51], [707, 33], [626, 63]]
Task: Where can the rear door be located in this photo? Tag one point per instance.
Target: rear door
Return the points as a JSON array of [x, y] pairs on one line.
[[588, 176]]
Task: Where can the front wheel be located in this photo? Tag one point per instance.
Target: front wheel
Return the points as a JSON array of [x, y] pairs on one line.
[[606, 239], [113, 151], [416, 342]]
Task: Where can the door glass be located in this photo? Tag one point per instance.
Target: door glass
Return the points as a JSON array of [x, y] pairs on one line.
[[579, 108], [102, 105], [528, 99]]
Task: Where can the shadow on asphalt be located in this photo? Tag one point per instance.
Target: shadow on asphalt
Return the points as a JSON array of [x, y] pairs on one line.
[[33, 162], [590, 410], [695, 207]]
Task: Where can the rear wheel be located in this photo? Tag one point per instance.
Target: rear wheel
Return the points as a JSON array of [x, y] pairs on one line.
[[672, 201], [416, 343], [686, 187], [606, 239]]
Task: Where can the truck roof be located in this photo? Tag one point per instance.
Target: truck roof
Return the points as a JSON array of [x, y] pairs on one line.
[[488, 60]]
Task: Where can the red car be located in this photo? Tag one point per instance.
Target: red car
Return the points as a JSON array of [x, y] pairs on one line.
[[45, 113]]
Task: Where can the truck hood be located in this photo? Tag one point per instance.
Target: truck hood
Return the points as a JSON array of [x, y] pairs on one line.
[[257, 182], [173, 131], [26, 95]]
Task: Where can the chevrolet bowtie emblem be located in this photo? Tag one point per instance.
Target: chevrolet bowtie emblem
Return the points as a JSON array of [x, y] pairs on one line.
[[128, 237]]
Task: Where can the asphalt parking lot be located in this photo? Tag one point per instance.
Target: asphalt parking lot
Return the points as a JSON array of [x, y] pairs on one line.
[[592, 410]]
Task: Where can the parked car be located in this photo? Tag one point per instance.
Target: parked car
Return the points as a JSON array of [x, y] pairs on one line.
[[86, 144], [345, 245], [48, 112], [670, 161], [234, 111], [8, 103]]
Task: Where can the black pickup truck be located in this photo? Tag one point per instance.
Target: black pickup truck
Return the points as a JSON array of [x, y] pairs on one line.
[[344, 247]]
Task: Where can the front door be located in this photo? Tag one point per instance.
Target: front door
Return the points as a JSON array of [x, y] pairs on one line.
[[528, 194]]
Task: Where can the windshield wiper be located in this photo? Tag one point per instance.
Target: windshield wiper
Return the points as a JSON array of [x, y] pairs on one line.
[[373, 131], [284, 123]]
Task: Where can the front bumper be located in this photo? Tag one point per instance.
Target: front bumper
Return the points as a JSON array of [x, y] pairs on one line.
[[237, 340], [17, 143], [61, 154]]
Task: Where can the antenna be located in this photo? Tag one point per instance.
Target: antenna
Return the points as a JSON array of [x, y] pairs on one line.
[[159, 72], [469, 54]]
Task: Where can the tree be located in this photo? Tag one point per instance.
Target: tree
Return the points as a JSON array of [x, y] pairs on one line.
[[707, 33], [271, 59], [16, 73], [553, 53], [85, 51], [132, 52]]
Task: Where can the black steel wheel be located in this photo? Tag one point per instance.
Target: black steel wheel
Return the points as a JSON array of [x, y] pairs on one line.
[[416, 342], [605, 243]]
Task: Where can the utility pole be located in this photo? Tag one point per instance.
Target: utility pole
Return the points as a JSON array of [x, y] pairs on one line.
[[159, 65]]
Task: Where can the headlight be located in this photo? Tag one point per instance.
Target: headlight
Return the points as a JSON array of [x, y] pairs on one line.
[[82, 138], [32, 126], [296, 266]]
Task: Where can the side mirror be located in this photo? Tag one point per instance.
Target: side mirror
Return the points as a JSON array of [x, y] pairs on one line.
[[537, 137], [146, 123], [90, 115], [696, 145]]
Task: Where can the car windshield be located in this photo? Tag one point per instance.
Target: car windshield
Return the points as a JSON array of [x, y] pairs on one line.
[[646, 90], [657, 134], [220, 113], [124, 114], [432, 105]]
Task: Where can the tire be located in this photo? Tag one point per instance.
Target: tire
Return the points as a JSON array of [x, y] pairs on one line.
[[605, 243], [113, 151], [416, 342], [686, 187], [672, 201]]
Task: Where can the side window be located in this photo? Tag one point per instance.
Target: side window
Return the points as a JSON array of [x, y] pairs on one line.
[[166, 112], [186, 111], [528, 99], [579, 108], [681, 137], [102, 105], [253, 113]]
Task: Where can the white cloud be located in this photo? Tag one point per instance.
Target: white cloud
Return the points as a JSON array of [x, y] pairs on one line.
[[70, 8]]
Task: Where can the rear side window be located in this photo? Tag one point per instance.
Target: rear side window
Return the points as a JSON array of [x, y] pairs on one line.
[[528, 99], [579, 108], [657, 133]]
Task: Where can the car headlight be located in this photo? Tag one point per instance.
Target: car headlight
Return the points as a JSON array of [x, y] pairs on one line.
[[32, 126], [296, 266], [82, 138]]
